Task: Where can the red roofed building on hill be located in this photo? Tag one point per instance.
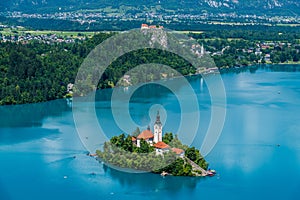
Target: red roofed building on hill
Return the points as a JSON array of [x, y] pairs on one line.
[[144, 26], [155, 139], [152, 26], [179, 152], [146, 135], [161, 147]]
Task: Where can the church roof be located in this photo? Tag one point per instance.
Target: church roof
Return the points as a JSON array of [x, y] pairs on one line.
[[146, 134], [161, 145]]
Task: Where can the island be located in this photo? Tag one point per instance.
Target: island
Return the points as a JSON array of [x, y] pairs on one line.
[[154, 152]]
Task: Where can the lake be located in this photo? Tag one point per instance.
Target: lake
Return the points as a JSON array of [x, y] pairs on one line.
[[256, 157]]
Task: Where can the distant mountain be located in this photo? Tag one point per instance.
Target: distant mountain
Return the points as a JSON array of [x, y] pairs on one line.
[[259, 7]]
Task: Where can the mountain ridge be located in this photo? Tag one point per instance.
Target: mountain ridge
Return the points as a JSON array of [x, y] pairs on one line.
[[258, 7]]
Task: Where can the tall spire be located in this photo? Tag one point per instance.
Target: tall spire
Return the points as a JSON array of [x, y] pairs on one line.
[[157, 129], [158, 118]]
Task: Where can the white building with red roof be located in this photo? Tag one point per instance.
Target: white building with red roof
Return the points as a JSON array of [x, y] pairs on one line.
[[146, 135], [161, 147], [178, 152], [155, 139], [144, 26]]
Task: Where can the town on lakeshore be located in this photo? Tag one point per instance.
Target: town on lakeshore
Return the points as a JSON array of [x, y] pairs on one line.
[[152, 151]]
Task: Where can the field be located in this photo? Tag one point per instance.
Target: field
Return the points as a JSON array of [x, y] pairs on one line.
[[22, 31]]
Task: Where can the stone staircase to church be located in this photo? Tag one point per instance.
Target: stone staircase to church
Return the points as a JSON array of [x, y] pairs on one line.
[[196, 167]]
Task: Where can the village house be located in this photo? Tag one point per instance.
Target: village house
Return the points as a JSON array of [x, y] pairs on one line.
[[267, 57], [161, 148], [179, 152]]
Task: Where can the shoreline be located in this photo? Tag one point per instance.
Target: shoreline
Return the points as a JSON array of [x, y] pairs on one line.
[[210, 173], [223, 70]]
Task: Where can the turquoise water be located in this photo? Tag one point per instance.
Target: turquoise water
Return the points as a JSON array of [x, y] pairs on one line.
[[38, 143]]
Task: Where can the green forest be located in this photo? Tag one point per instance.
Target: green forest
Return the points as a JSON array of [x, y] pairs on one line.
[[35, 71], [121, 152]]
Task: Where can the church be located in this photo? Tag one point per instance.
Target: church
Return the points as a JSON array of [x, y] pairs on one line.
[[155, 139], [147, 134]]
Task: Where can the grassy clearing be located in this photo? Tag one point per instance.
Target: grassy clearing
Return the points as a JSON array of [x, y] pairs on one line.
[[73, 34], [60, 33]]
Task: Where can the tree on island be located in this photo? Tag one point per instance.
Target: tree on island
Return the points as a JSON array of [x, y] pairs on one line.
[[194, 155], [167, 138]]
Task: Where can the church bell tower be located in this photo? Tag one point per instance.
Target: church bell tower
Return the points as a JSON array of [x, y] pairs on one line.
[[157, 129]]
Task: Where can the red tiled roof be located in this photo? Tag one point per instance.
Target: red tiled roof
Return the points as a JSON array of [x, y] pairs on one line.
[[146, 134], [161, 145], [133, 139], [145, 25], [177, 151]]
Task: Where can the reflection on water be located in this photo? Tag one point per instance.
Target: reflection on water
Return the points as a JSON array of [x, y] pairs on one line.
[[149, 181], [13, 136], [31, 115], [283, 68]]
